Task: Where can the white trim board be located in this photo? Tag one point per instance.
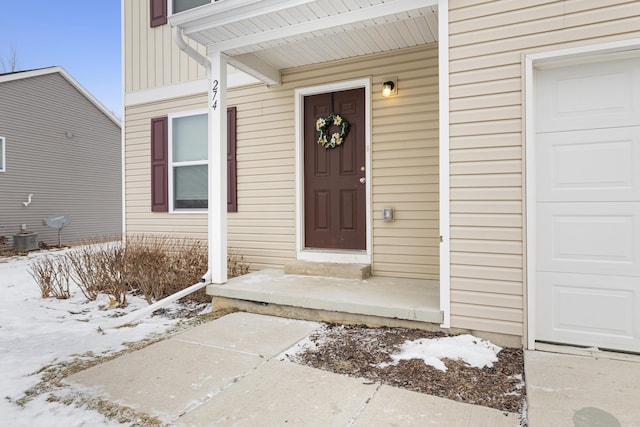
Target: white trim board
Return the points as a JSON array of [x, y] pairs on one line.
[[3, 151], [531, 62], [443, 162], [345, 257], [194, 87]]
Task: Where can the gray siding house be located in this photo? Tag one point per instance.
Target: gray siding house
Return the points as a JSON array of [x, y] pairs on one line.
[[60, 153]]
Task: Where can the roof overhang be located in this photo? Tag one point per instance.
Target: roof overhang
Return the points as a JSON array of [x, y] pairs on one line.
[[263, 37], [20, 75]]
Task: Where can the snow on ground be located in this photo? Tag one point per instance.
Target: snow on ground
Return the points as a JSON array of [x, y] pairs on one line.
[[37, 332], [473, 351]]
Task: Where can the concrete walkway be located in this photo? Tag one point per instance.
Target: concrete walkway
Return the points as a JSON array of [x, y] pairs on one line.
[[590, 390], [227, 372]]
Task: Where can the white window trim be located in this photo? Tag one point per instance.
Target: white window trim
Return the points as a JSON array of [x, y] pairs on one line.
[[170, 7], [171, 163], [337, 256], [3, 151]]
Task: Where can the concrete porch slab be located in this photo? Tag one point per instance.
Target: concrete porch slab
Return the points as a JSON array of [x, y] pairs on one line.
[[384, 297]]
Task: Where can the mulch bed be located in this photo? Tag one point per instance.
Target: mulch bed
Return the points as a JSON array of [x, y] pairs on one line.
[[359, 351]]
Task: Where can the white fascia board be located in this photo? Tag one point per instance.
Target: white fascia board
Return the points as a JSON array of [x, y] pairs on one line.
[[194, 87], [19, 75], [223, 13]]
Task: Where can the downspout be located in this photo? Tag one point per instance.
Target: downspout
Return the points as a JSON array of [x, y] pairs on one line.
[[135, 316], [194, 54]]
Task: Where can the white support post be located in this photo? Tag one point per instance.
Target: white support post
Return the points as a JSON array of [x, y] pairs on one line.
[[445, 225], [217, 221]]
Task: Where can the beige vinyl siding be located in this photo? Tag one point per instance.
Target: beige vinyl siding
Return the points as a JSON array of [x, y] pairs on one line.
[[404, 159], [139, 218], [151, 58], [487, 42], [263, 229]]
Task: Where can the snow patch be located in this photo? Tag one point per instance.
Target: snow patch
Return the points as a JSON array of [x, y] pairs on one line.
[[475, 352], [305, 344], [36, 332]]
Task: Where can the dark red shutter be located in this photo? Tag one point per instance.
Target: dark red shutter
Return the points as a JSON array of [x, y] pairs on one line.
[[158, 12], [232, 197], [159, 164]]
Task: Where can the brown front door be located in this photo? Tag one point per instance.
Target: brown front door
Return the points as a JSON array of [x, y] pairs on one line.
[[334, 187]]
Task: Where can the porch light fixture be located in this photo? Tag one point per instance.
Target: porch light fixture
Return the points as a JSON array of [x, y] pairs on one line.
[[390, 87]]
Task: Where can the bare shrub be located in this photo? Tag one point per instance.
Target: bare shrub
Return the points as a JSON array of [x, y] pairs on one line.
[[154, 266], [186, 264], [100, 269], [146, 262], [111, 271], [84, 271], [52, 277], [158, 265], [42, 271]]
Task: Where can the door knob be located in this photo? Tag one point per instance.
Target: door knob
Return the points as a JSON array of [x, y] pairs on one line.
[[363, 180]]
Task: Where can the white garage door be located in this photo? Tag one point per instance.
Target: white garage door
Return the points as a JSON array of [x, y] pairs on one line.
[[588, 204]]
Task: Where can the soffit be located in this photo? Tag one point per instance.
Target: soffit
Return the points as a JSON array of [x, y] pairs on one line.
[[293, 33]]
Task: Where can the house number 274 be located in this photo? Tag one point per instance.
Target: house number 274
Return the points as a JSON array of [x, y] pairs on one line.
[[214, 95]]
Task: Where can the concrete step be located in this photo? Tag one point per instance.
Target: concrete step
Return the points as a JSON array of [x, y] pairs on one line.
[[329, 269], [376, 301]]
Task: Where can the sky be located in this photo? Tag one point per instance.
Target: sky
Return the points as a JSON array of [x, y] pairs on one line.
[[82, 36]]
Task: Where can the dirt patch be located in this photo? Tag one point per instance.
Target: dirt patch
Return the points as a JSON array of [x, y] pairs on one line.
[[363, 352]]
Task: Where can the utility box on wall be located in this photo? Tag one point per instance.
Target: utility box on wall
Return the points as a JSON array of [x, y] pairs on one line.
[[25, 242]]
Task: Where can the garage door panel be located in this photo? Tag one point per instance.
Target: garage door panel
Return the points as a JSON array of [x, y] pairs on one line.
[[585, 309], [589, 238], [597, 165], [587, 245], [589, 96]]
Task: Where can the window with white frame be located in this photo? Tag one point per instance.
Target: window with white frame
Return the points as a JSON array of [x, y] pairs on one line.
[[182, 5], [2, 154], [188, 159]]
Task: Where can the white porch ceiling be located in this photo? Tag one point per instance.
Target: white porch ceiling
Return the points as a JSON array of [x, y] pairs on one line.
[[280, 34]]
